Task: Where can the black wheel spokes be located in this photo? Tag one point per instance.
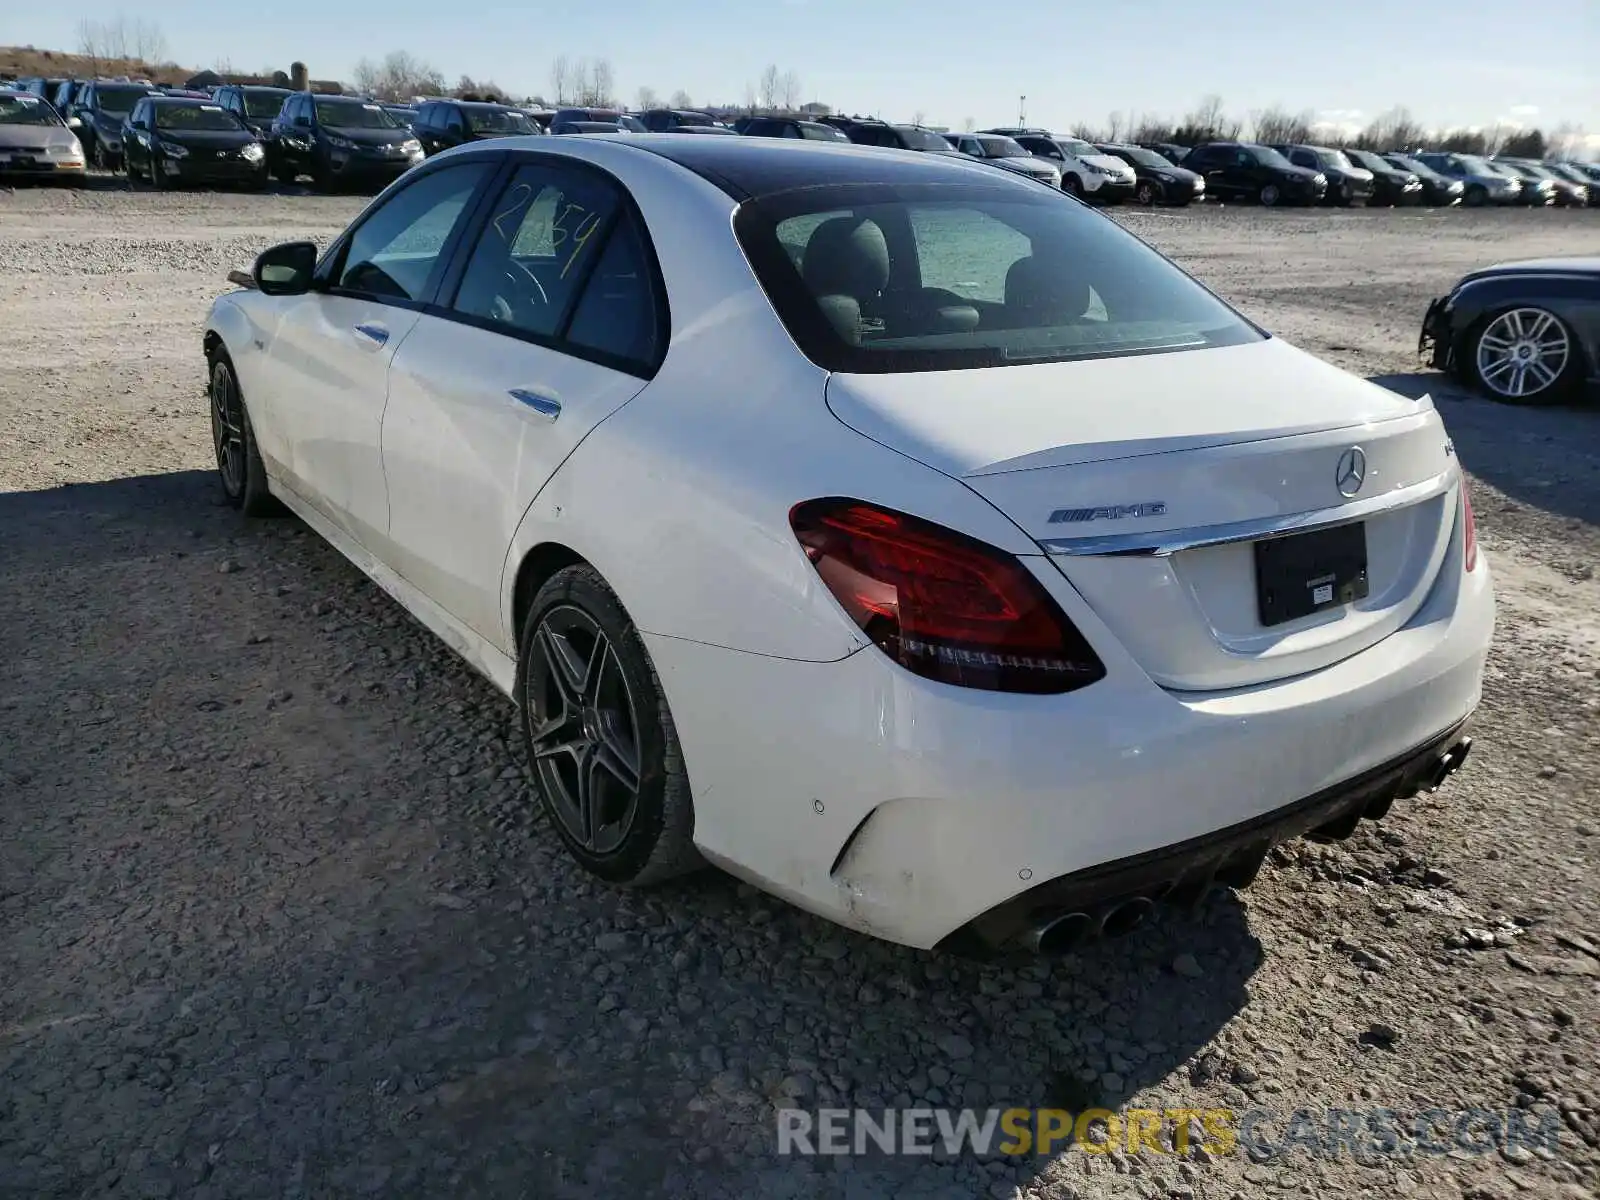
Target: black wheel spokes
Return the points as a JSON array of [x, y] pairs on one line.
[[227, 430], [584, 731]]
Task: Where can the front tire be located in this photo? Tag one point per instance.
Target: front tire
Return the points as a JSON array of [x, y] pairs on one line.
[[601, 744], [239, 467], [1145, 193], [1270, 195], [1524, 355], [1072, 186], [1476, 197]]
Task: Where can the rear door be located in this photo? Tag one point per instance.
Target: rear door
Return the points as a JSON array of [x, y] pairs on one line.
[[557, 320]]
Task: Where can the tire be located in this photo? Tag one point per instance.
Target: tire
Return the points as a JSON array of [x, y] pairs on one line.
[[1072, 186], [579, 651], [1269, 195], [1145, 193], [285, 175], [1555, 361], [320, 179], [239, 468], [1476, 197]]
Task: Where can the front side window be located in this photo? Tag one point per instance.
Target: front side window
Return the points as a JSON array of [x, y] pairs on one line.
[[929, 277], [396, 251], [1264, 156]]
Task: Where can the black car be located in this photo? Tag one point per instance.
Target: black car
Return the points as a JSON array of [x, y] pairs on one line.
[[1170, 151], [1562, 190], [895, 137], [1244, 171], [788, 127], [670, 120], [1157, 179], [1390, 184], [102, 109], [405, 114], [1437, 189], [339, 140], [172, 140], [595, 116], [1523, 332], [441, 124], [1348, 184], [257, 107]]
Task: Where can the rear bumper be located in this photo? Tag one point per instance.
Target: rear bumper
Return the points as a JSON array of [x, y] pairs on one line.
[[912, 810]]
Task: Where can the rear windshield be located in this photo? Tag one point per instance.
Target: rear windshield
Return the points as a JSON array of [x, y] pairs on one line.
[[195, 116], [920, 139], [263, 104], [930, 277], [354, 116], [995, 146], [502, 120]]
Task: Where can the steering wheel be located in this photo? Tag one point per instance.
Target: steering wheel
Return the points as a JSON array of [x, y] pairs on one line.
[[522, 284]]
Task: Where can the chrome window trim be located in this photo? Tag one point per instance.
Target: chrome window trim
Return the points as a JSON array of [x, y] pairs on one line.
[[1164, 542]]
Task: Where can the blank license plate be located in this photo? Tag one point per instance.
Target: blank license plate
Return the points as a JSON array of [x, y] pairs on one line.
[[1305, 573]]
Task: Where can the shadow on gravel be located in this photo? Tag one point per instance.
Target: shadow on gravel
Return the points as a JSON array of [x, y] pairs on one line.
[[1548, 458], [277, 917]]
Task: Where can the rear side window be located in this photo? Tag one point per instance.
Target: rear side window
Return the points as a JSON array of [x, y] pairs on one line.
[[616, 315], [395, 253], [880, 278]]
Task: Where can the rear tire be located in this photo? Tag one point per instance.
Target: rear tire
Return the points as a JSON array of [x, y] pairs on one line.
[[602, 748]]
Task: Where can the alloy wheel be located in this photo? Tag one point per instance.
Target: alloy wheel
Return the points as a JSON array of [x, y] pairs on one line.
[[1145, 193], [1522, 352], [1269, 195], [227, 430], [584, 729]]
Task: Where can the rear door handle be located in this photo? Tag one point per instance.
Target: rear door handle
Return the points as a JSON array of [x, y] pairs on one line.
[[376, 334], [545, 406]]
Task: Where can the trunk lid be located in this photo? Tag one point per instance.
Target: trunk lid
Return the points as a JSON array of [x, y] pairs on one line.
[[1148, 479]]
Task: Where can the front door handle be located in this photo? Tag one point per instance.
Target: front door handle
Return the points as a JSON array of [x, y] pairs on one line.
[[545, 406], [376, 334]]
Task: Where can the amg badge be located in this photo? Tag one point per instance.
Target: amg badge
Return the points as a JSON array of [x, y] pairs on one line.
[[1110, 512]]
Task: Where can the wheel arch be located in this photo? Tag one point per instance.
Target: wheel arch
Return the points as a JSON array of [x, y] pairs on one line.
[[538, 565]]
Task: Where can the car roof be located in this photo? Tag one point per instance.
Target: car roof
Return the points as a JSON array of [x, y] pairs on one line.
[[748, 168], [164, 101], [462, 103]]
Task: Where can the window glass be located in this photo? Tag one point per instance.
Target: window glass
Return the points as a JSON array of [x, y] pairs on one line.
[[395, 250], [211, 117], [916, 277], [259, 105], [535, 249], [343, 114], [617, 312]]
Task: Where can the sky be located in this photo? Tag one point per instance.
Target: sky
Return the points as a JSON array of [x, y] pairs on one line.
[[1451, 62]]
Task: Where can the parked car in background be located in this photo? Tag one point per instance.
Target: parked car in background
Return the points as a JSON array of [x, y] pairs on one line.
[[337, 141], [169, 141], [102, 109], [1562, 191], [1170, 151], [670, 120], [1521, 332], [35, 142], [1245, 171], [1348, 184], [444, 124], [866, 132], [184, 93], [1157, 180], [1589, 170], [1437, 189], [256, 107], [67, 91], [1481, 183], [1086, 172], [624, 122], [789, 127], [45, 89], [1000, 151], [1390, 184], [405, 114], [1590, 185], [1537, 191], [712, 130]]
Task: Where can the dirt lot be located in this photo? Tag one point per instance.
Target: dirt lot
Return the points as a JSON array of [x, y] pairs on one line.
[[275, 919]]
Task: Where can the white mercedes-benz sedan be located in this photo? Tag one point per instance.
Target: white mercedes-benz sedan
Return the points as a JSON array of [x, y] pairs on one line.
[[900, 536]]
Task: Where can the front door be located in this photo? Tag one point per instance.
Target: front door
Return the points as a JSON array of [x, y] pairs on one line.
[[555, 326], [329, 372]]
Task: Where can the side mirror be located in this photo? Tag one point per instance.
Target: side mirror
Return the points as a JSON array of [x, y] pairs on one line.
[[74, 123], [286, 270]]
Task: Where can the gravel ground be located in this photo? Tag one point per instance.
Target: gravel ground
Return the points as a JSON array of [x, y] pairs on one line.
[[275, 919]]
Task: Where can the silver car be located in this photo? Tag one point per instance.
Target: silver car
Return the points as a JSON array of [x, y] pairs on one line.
[[1000, 151], [34, 141]]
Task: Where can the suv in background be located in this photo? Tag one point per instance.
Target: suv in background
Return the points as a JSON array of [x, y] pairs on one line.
[[1347, 183], [789, 127], [102, 109], [256, 107], [337, 139], [587, 120], [1482, 184], [670, 120], [1245, 171], [1086, 171], [443, 124], [866, 131]]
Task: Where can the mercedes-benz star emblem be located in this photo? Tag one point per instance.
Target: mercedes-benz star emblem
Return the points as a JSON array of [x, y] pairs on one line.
[[1351, 472]]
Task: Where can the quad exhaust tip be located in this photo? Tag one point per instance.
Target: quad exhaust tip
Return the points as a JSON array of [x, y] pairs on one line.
[[1062, 934]]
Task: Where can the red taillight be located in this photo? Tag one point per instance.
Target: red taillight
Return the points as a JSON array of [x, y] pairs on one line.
[[942, 604], [1469, 529]]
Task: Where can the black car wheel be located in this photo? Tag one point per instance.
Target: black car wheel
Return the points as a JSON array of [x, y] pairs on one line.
[[1477, 196], [1524, 355], [1071, 185], [1270, 195], [101, 162], [239, 466], [1145, 193], [285, 174], [600, 739]]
